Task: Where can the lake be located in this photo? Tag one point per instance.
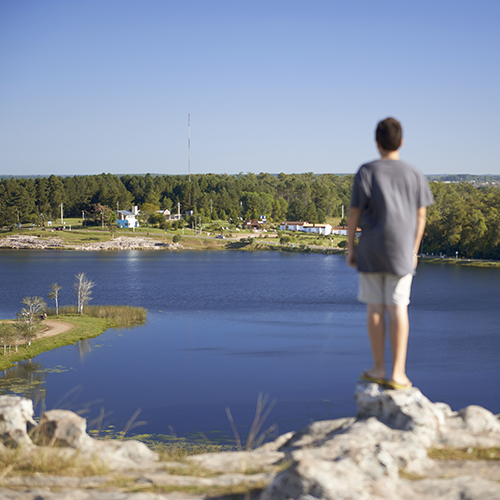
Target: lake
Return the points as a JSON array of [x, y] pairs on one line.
[[224, 326]]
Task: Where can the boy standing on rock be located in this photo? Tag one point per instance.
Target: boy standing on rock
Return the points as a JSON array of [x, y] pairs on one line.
[[389, 200]]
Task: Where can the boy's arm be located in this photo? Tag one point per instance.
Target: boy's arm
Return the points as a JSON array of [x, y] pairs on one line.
[[421, 220], [354, 215]]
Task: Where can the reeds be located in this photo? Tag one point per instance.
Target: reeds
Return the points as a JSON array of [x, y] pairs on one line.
[[119, 316]]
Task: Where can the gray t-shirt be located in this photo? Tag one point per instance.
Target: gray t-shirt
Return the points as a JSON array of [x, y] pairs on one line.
[[389, 194]]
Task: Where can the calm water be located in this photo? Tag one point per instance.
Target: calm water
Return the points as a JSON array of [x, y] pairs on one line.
[[224, 326]]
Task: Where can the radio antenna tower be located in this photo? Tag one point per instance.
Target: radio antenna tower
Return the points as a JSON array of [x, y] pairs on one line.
[[189, 158]]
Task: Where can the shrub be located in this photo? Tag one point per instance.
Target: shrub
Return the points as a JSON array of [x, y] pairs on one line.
[[342, 244], [177, 238]]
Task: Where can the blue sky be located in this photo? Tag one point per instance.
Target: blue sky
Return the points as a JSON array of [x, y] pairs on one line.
[[92, 86]]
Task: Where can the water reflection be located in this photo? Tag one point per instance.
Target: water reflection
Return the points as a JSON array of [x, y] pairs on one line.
[[84, 348], [26, 378]]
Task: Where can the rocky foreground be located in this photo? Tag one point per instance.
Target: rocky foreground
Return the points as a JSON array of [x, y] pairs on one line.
[[382, 453]]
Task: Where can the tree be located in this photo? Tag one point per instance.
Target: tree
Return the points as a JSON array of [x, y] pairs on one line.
[[147, 211], [35, 306], [28, 320], [156, 218], [103, 214], [54, 295], [83, 290], [7, 335]]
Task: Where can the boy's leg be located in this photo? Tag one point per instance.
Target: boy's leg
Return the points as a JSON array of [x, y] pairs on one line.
[[375, 321], [371, 292], [399, 328]]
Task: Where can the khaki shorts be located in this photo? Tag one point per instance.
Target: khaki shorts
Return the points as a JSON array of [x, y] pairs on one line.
[[384, 288]]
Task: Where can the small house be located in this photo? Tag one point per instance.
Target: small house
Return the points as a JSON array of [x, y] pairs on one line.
[[127, 218]]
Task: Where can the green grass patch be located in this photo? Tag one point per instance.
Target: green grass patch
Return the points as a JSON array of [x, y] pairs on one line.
[[117, 316], [461, 454], [460, 262]]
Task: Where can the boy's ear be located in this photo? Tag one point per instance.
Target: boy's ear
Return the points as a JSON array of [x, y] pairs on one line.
[[402, 142]]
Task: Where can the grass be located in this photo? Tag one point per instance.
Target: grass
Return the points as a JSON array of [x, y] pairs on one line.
[[460, 262], [461, 454], [117, 316], [170, 448], [241, 491], [84, 327], [455, 454], [73, 237], [49, 461]]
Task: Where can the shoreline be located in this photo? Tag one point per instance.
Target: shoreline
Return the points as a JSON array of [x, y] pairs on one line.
[[120, 243], [59, 334]]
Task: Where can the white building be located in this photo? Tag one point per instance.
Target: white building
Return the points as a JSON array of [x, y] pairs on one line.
[[292, 226], [168, 215], [127, 218], [317, 228], [342, 230], [306, 227]]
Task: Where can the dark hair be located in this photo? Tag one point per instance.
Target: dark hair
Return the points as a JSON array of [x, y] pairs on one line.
[[389, 134]]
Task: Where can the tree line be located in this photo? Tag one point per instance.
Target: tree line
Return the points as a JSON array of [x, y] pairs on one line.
[[212, 196], [463, 219]]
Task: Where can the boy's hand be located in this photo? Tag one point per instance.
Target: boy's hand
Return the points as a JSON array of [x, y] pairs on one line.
[[351, 259]]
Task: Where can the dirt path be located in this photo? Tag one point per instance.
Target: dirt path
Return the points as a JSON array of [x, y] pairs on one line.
[[50, 328], [54, 328]]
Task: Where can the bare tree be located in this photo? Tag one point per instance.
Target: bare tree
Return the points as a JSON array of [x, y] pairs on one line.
[[28, 320], [54, 294], [83, 290]]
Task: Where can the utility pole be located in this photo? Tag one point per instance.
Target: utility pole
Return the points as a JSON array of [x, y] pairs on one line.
[[62, 222], [189, 158]]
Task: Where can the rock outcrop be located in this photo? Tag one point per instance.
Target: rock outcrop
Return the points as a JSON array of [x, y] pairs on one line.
[[119, 243], [64, 429], [382, 453], [371, 456]]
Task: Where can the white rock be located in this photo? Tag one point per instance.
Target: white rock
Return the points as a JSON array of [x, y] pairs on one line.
[[16, 413], [62, 428]]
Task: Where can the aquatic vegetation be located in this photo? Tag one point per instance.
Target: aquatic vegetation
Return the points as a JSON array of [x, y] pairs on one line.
[[118, 316]]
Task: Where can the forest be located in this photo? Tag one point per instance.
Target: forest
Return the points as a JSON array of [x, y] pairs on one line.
[[463, 218]]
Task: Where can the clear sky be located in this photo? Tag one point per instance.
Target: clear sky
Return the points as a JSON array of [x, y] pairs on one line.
[[92, 86]]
